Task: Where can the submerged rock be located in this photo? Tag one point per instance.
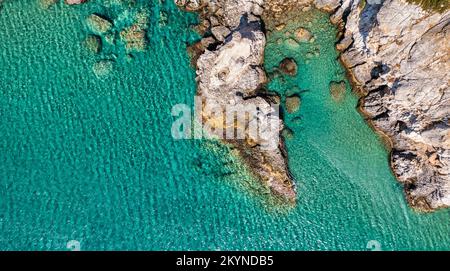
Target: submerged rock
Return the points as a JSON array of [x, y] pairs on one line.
[[163, 18], [292, 103], [280, 27], [93, 43], [135, 38], [45, 4], [142, 20], [103, 68], [303, 35], [292, 43], [287, 133], [98, 24], [110, 38], [295, 90], [75, 2], [337, 90], [289, 66]]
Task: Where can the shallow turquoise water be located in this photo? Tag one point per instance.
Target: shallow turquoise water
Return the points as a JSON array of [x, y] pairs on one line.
[[93, 160]]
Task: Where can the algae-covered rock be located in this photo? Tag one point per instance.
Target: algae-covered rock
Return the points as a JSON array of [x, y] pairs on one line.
[[337, 90], [93, 43], [75, 2], [98, 24], [288, 66], [292, 104], [129, 58], [295, 90], [110, 38], [135, 38], [142, 20], [292, 43], [287, 133], [163, 18], [103, 68], [303, 35], [45, 4]]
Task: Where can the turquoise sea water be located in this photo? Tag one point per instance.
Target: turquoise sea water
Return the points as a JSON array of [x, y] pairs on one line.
[[92, 160]]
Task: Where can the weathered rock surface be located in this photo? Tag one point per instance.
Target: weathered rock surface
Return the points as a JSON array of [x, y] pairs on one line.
[[134, 37], [399, 54], [231, 74]]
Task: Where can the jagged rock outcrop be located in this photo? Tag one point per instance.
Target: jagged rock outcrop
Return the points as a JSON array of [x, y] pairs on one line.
[[230, 74], [399, 55]]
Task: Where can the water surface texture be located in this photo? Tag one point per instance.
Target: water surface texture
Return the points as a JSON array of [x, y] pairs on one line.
[[93, 160]]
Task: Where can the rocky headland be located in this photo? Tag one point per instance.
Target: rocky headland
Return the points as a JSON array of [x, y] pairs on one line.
[[229, 72]]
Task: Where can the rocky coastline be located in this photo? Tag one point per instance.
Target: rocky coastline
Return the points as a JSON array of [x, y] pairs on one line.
[[397, 56]]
